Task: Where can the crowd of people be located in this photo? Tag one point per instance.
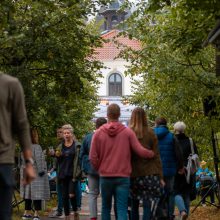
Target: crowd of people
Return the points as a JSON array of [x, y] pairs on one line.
[[127, 165]]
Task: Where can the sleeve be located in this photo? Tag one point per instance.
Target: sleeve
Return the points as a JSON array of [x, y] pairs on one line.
[[138, 148], [94, 154], [157, 155], [83, 150], [40, 160], [19, 120]]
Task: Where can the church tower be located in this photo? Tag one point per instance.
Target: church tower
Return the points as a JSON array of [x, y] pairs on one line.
[[112, 15]]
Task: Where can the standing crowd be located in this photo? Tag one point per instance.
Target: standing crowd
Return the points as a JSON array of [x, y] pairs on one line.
[[127, 165]]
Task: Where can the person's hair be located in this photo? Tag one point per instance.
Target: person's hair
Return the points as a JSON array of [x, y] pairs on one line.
[[113, 111], [161, 121], [138, 122], [100, 121], [179, 127], [34, 136], [68, 127]]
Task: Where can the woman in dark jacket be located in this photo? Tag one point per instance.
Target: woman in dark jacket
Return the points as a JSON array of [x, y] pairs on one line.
[[181, 187]]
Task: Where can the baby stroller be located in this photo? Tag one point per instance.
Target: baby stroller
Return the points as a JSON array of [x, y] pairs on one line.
[[159, 207]]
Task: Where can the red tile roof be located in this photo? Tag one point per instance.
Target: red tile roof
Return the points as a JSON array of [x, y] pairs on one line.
[[110, 49]]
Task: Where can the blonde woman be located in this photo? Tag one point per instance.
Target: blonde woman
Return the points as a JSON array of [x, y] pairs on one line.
[[146, 177], [66, 156]]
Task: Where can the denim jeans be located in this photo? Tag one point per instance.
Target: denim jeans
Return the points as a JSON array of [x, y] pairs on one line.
[[78, 194], [135, 209], [6, 191], [93, 182], [169, 188], [59, 197], [183, 202], [117, 187]]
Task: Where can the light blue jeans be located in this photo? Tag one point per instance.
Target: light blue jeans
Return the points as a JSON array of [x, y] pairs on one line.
[[93, 183], [183, 202], [117, 187]]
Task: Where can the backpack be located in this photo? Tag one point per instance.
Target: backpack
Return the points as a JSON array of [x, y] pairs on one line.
[[193, 162]]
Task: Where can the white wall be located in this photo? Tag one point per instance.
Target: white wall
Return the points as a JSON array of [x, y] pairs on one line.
[[116, 66]]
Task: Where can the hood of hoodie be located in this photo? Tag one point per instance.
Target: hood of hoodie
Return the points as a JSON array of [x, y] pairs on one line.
[[113, 128], [161, 131]]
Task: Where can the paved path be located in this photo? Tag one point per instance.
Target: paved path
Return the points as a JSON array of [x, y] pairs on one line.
[[84, 213]]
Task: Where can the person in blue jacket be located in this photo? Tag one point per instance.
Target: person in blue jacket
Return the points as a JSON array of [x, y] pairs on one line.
[[171, 157], [93, 176], [205, 180]]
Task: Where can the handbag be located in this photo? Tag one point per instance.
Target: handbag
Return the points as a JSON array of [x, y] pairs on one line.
[[193, 162]]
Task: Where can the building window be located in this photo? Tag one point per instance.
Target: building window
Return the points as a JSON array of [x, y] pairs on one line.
[[115, 85]]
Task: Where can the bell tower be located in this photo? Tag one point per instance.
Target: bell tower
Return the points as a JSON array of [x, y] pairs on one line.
[[112, 15]]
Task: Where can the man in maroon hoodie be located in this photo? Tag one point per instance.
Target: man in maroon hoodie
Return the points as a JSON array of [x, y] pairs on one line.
[[110, 154]]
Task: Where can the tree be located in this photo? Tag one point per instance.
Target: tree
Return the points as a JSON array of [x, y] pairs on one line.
[[177, 72], [47, 45]]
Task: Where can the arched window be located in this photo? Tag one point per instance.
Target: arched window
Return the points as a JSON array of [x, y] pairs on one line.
[[115, 85]]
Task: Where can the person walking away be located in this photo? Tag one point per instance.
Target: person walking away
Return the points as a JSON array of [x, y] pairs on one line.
[[92, 174], [65, 158], [172, 160], [13, 123], [181, 188], [147, 175], [110, 154], [38, 190]]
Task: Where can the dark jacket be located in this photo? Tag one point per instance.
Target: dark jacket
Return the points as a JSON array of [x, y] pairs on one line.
[[181, 186], [170, 152], [84, 155]]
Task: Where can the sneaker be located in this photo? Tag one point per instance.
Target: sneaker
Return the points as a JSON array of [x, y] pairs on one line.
[[26, 217], [56, 215], [183, 215], [36, 218], [203, 204]]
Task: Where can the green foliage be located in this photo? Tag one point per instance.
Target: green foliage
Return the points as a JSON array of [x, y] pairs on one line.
[[47, 45], [176, 72]]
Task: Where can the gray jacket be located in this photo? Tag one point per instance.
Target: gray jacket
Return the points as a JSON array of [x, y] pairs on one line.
[[13, 118]]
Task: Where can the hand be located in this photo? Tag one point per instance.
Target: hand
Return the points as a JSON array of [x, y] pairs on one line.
[[181, 171], [57, 153], [29, 174], [41, 173], [162, 183]]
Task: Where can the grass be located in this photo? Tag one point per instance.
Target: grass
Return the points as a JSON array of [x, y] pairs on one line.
[[18, 212]]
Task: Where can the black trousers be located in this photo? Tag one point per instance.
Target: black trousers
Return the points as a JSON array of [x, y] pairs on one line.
[[7, 184], [68, 187], [36, 204]]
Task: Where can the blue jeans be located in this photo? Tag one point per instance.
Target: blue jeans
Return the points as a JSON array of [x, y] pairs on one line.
[[169, 188], [117, 187], [78, 194], [135, 209], [6, 191], [183, 202]]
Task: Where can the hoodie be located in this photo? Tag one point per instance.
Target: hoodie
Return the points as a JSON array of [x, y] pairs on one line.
[[167, 150], [111, 149]]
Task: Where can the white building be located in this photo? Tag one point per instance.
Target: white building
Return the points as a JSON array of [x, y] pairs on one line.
[[115, 85]]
